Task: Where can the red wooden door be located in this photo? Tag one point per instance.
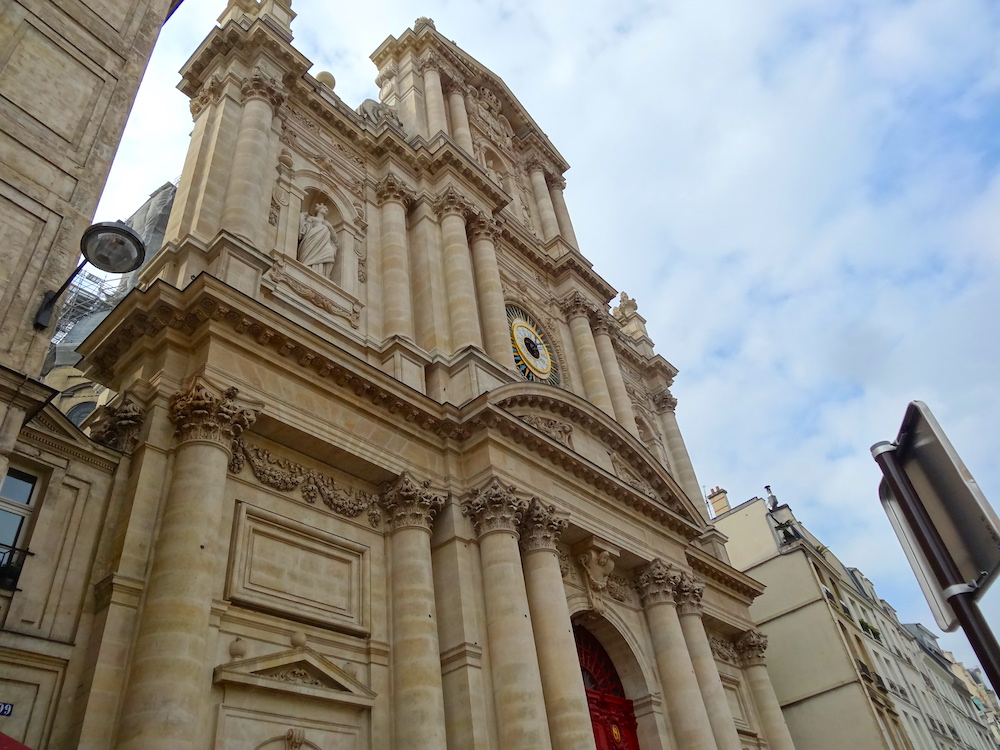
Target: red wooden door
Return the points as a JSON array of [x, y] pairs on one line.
[[610, 711]]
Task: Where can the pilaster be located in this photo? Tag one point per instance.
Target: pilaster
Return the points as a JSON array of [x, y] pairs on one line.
[[577, 309]]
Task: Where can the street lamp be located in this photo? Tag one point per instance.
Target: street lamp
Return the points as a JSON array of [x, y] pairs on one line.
[[110, 246]]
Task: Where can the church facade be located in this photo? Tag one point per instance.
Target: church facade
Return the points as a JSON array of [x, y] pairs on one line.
[[384, 470]]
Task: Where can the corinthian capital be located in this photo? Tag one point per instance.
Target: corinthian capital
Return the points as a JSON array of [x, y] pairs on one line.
[[119, 429], [688, 595], [199, 414], [575, 305], [483, 227], [664, 401], [541, 526], [450, 201], [496, 507], [657, 581], [556, 182], [260, 85], [392, 189], [601, 322], [751, 646], [409, 504]]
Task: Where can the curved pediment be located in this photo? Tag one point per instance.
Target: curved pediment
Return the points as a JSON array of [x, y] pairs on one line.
[[596, 437]]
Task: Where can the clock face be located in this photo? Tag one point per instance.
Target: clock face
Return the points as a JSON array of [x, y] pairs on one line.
[[532, 353]]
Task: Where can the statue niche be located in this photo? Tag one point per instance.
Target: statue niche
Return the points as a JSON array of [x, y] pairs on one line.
[[317, 246]]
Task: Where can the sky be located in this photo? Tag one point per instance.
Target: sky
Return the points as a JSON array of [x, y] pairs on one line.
[[802, 196]]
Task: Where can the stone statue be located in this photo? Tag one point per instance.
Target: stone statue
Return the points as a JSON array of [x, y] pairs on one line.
[[317, 245]]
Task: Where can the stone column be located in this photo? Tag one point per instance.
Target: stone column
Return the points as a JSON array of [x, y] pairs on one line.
[[562, 681], [169, 680], [688, 596], [417, 694], [751, 646], [397, 308], [657, 582], [496, 331], [556, 186], [517, 685], [460, 129], [546, 213], [244, 211], [577, 310], [620, 400], [679, 459], [434, 100], [458, 278]]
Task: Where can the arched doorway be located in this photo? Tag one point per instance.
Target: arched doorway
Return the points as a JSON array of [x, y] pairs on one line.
[[610, 711]]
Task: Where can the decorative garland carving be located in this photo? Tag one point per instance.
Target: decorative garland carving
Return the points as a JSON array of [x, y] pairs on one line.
[[278, 276], [541, 526], [558, 431], [199, 414], [408, 504], [495, 507], [295, 674], [119, 429], [285, 476]]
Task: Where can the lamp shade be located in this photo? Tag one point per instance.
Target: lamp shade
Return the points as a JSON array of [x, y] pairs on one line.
[[113, 247]]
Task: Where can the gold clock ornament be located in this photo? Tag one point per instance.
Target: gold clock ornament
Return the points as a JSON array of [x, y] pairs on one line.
[[533, 353]]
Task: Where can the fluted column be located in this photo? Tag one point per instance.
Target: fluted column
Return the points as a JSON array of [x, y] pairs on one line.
[[657, 582], [397, 307], [250, 176], [517, 686], [492, 307], [620, 400], [417, 694], [688, 596], [434, 101], [546, 212], [751, 646], [165, 696], [577, 310], [458, 277], [556, 186], [679, 459], [562, 681], [460, 129]]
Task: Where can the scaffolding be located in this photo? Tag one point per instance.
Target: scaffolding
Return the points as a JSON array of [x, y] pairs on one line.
[[89, 293]]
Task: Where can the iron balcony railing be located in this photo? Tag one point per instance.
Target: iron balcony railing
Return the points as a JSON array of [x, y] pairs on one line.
[[11, 561]]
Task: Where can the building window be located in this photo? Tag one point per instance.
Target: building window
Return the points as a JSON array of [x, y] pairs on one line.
[[81, 411], [17, 494]]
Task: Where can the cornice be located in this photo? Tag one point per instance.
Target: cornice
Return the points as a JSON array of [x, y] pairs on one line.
[[723, 575]]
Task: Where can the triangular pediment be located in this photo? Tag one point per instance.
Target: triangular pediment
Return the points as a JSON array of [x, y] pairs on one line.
[[299, 670], [51, 428]]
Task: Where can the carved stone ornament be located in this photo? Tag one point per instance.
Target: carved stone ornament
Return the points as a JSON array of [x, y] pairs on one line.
[[541, 526], [423, 21], [392, 189], [555, 182], [624, 472], [199, 414], [119, 428], [449, 202], [263, 86], [408, 504], [688, 595], [620, 588], [576, 305], [278, 275], [601, 322], [295, 738], [657, 581], [484, 228], [495, 507], [664, 401], [295, 674], [723, 649], [558, 431], [597, 563], [286, 476], [208, 94], [376, 112], [626, 307], [751, 646]]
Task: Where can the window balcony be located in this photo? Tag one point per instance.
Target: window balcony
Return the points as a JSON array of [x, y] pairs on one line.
[[11, 561]]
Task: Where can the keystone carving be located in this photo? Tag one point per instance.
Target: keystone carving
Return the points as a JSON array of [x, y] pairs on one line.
[[541, 526], [408, 504], [495, 507], [597, 559], [751, 646], [200, 414], [120, 426], [657, 582]]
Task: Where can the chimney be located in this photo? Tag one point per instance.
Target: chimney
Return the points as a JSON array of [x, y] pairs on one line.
[[719, 501]]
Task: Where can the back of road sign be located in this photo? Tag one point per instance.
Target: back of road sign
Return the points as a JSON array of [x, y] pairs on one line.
[[956, 505]]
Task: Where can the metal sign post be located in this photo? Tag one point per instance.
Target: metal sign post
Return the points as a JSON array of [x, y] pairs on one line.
[[947, 528]]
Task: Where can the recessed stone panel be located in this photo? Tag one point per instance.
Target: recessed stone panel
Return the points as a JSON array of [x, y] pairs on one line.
[[282, 566]]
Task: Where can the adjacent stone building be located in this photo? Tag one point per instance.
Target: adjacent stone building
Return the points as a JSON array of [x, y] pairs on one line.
[[383, 468], [846, 672]]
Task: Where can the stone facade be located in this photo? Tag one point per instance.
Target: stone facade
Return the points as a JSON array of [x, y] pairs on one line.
[[378, 448]]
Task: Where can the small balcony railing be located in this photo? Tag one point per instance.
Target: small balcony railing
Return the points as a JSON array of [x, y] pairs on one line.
[[11, 561]]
